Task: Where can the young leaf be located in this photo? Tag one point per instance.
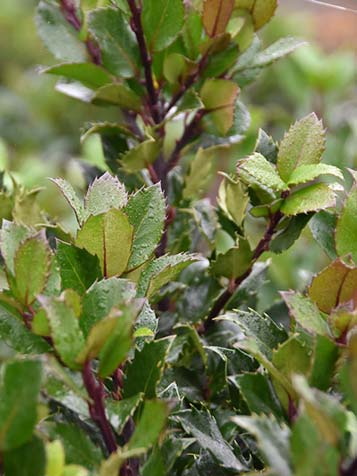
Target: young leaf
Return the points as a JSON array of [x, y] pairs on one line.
[[162, 22], [333, 286], [105, 193], [255, 169], [219, 96], [65, 331], [233, 199], [346, 229], [235, 262], [309, 199], [140, 156], [202, 426], [267, 147], [292, 357], [71, 197], [118, 344], [303, 144], [162, 271], [78, 268], [263, 11], [101, 298], [146, 213], [216, 15], [109, 236], [145, 370], [150, 425], [31, 266], [306, 313], [307, 173], [273, 441], [58, 35], [19, 389], [117, 43], [89, 74]]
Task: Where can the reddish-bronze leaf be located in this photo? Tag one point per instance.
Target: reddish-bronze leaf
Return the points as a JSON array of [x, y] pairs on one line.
[[216, 15]]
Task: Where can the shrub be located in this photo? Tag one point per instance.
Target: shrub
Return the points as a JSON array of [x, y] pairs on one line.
[[132, 344]]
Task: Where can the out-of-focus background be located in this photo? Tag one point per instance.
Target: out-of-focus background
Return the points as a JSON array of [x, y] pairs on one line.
[[40, 128]]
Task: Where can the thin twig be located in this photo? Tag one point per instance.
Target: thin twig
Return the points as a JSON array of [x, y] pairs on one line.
[[136, 26], [96, 407]]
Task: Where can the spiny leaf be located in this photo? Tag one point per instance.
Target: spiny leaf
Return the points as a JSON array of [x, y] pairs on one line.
[[307, 173], [162, 271], [11, 236], [303, 144], [255, 169], [346, 229], [309, 199], [119, 411], [108, 236], [105, 193], [72, 198], [216, 15], [162, 22], [146, 213]]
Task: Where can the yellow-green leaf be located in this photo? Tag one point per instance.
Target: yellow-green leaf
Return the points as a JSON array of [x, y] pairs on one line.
[[346, 229]]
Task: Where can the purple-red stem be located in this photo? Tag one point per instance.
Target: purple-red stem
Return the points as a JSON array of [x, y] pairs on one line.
[[96, 406]]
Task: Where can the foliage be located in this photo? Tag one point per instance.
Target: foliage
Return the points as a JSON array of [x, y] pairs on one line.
[[131, 341]]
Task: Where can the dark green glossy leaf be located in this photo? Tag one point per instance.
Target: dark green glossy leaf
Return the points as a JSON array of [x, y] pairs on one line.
[[27, 460], [322, 226], [150, 425]]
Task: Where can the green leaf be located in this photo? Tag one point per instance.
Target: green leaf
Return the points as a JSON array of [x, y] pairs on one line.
[[325, 357], [287, 236], [255, 169], [71, 197], [306, 313], [233, 200], [78, 268], [119, 411], [307, 173], [101, 297], [11, 236], [201, 171], [152, 422], [146, 212], [292, 357], [140, 156], [27, 460], [309, 199], [333, 286], [14, 333], [104, 194], [119, 95], [106, 129], [203, 426], [58, 35], [19, 389], [322, 226], [120, 54], [162, 271], [219, 96], [89, 74], [55, 458], [79, 449], [346, 229], [118, 344], [31, 266], [216, 15], [277, 50], [259, 394], [273, 441], [267, 147], [108, 236], [65, 331], [145, 370], [162, 22], [303, 144], [262, 12], [176, 67], [235, 262]]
